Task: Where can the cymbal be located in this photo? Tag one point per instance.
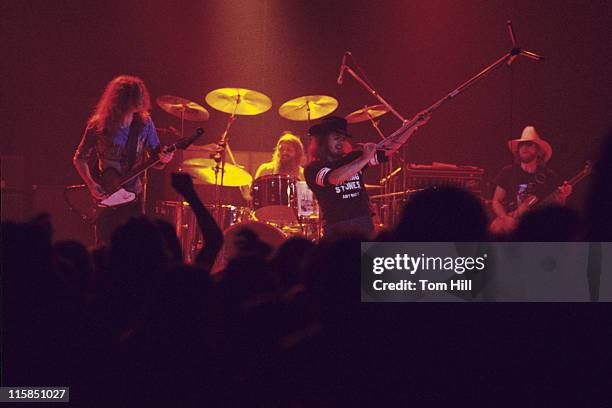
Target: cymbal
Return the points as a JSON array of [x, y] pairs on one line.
[[210, 148], [298, 108], [203, 172], [183, 108], [167, 135], [239, 101], [366, 113]]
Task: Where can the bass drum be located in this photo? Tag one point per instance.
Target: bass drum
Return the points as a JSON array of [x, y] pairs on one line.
[[235, 235]]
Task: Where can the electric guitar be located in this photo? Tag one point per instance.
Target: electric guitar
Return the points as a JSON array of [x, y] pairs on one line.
[[80, 200], [499, 226]]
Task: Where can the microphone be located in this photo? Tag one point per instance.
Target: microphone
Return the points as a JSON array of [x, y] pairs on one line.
[[342, 67]]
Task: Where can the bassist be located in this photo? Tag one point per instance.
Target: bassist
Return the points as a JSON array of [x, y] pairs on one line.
[[121, 133], [521, 184]]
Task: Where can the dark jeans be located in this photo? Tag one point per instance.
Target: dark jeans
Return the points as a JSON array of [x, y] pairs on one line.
[[112, 217], [359, 225]]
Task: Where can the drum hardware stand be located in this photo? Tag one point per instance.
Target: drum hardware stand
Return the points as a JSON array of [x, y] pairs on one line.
[[397, 194], [386, 173], [219, 158], [145, 184], [308, 112]]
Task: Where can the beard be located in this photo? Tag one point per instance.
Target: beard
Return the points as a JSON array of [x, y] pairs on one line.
[[527, 158], [288, 165]]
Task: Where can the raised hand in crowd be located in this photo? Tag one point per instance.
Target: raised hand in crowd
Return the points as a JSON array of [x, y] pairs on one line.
[[213, 236]]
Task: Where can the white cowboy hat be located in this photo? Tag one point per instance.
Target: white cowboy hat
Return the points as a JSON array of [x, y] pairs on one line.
[[530, 135]]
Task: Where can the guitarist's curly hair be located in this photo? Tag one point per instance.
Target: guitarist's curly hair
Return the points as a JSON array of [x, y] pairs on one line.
[[123, 93]]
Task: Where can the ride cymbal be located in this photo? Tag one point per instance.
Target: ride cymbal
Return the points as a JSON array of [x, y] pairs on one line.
[[299, 108], [238, 101]]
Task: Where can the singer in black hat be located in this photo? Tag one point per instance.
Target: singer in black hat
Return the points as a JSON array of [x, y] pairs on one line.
[[335, 175]]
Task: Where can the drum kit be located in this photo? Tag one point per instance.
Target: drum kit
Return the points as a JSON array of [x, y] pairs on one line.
[[282, 206]]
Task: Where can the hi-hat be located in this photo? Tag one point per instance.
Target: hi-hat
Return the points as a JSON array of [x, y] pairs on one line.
[[299, 108], [203, 172], [183, 108], [366, 113], [238, 101]]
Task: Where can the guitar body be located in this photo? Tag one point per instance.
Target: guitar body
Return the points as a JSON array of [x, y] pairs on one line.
[[110, 180], [81, 202], [79, 198], [502, 226]]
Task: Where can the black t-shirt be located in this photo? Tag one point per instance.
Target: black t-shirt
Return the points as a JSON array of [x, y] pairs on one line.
[[519, 184], [343, 201]]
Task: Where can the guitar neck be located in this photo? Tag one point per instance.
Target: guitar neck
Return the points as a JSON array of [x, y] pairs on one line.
[[573, 181], [140, 169], [181, 144]]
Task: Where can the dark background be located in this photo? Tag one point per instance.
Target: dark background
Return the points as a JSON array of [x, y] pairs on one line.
[[59, 55]]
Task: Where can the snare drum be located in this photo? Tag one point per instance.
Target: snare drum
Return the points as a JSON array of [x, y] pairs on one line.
[[275, 199]]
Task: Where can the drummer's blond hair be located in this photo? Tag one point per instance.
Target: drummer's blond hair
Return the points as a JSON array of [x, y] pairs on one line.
[[297, 145]]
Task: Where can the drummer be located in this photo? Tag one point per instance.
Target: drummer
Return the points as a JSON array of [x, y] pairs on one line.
[[287, 159]]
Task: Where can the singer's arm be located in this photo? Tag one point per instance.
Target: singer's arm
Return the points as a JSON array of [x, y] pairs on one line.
[[343, 173]]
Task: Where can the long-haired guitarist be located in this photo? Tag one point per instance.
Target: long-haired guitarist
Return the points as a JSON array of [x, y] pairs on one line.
[[121, 133], [527, 180]]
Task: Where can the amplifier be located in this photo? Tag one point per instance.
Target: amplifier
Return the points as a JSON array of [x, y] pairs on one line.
[[418, 176]]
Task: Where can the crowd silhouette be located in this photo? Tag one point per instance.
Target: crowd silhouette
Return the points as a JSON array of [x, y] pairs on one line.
[[131, 324]]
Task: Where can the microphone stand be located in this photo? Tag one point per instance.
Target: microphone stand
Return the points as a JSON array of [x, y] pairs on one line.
[[507, 58]]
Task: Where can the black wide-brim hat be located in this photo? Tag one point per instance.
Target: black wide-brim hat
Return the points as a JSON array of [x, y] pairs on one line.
[[329, 125]]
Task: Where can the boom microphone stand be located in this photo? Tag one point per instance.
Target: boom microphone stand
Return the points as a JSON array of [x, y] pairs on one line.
[[507, 58]]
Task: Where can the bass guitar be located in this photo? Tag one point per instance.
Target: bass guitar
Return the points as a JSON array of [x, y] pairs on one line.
[[500, 226], [88, 208]]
